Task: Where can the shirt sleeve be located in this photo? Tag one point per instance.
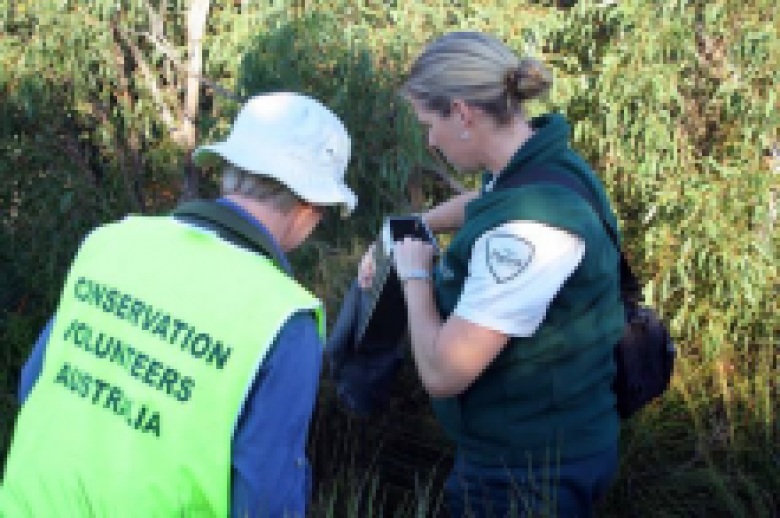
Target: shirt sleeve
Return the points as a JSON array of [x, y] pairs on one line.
[[271, 476], [515, 271], [32, 367]]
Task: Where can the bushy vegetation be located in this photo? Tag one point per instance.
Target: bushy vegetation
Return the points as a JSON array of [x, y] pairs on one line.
[[674, 103]]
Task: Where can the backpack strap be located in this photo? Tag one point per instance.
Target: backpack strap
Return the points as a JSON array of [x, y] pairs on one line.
[[629, 284]]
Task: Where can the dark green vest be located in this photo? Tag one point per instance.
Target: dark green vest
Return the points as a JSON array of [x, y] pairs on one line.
[[549, 395]]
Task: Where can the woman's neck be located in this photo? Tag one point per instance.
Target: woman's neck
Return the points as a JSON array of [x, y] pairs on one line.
[[502, 145]]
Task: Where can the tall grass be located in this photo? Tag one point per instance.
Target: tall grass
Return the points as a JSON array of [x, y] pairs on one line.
[[674, 103]]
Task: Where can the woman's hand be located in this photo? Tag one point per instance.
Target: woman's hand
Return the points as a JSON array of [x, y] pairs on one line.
[[412, 255], [366, 269]]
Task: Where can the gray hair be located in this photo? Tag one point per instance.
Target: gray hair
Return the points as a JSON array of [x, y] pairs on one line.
[[478, 69], [261, 188]]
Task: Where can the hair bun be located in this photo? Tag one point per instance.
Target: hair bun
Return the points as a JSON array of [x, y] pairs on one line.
[[529, 80], [512, 80]]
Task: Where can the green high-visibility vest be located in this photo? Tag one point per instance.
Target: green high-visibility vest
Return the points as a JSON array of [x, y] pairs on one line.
[[160, 332]]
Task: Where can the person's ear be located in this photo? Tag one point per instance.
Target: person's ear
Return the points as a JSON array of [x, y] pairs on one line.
[[301, 222], [299, 213], [308, 215]]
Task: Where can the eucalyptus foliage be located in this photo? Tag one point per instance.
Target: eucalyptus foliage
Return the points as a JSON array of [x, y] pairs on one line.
[[673, 102]]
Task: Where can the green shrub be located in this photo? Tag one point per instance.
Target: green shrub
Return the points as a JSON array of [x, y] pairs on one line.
[[674, 103]]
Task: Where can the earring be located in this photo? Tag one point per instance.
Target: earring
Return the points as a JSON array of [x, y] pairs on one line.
[[465, 135]]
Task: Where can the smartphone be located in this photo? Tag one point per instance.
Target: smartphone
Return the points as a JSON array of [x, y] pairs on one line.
[[396, 228], [409, 226]]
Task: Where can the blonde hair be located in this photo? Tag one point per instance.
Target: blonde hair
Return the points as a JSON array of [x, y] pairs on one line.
[[478, 69], [261, 188]]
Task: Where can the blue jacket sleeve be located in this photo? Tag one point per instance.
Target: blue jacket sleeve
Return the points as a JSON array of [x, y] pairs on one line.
[[271, 475], [34, 364]]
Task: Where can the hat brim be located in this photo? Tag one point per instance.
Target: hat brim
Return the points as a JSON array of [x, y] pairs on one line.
[[319, 189]]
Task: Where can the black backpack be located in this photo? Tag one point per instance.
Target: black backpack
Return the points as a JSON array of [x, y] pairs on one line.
[[645, 353]]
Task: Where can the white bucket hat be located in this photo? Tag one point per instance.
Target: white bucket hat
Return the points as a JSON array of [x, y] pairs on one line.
[[294, 139]]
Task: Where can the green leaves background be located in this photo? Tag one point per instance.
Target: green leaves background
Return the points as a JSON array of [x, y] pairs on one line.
[[674, 103]]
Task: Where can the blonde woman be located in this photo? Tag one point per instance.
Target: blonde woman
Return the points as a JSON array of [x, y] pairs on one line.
[[513, 330]]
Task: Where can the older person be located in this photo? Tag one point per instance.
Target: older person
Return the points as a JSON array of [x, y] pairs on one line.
[[513, 331], [179, 375]]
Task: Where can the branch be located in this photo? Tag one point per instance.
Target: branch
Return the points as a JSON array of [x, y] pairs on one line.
[[133, 140], [772, 201], [151, 81], [101, 113], [196, 18], [169, 52], [157, 33], [127, 99], [712, 57], [156, 22], [65, 144]]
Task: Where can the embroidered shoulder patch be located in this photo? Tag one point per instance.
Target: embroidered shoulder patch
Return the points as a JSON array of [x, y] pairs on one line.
[[508, 256]]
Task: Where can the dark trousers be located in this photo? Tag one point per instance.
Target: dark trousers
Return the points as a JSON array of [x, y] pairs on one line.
[[550, 489]]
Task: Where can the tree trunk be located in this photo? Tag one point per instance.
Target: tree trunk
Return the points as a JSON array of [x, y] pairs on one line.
[[197, 15], [772, 212]]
